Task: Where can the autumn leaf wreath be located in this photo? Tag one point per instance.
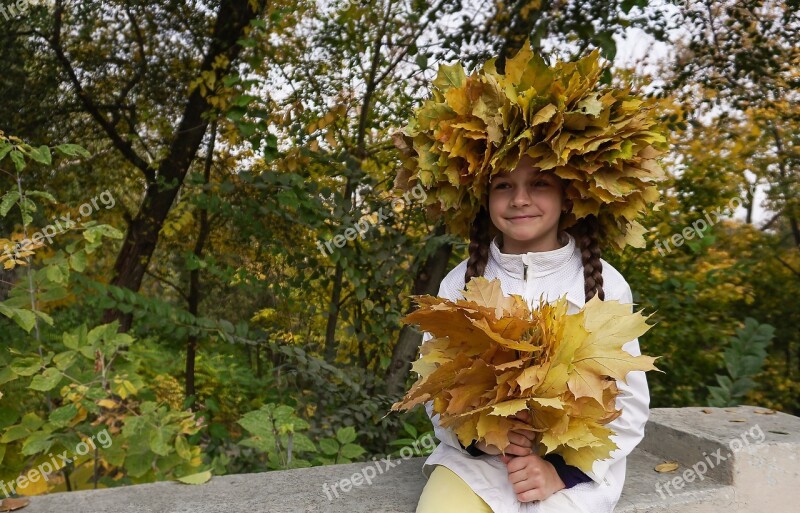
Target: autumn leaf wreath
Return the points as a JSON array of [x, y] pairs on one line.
[[492, 357]]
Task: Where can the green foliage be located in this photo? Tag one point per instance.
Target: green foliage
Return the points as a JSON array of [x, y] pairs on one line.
[[419, 443], [93, 381], [744, 359], [277, 431], [73, 386]]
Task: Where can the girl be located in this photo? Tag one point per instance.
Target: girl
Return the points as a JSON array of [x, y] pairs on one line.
[[539, 166], [532, 256]]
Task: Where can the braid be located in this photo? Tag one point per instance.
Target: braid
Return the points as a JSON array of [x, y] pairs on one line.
[[587, 236], [479, 240]]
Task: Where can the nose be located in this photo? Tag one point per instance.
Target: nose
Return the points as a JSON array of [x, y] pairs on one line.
[[521, 198]]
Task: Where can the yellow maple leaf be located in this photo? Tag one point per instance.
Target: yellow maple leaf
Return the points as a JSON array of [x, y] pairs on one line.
[[493, 357]]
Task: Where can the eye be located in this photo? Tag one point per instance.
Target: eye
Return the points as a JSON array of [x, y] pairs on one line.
[[542, 183]]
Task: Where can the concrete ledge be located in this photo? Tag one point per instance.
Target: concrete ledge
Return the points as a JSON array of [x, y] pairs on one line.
[[758, 476], [299, 490]]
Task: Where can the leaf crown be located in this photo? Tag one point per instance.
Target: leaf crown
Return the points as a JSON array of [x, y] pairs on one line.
[[604, 141]]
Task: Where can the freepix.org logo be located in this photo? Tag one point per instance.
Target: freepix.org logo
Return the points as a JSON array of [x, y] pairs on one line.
[[23, 247], [367, 222], [377, 468], [56, 463], [20, 7]]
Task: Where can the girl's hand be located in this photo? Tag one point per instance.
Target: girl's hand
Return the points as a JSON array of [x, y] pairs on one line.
[[533, 478], [521, 441]]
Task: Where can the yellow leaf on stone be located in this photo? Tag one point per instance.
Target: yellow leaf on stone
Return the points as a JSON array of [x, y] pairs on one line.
[[669, 466], [196, 479]]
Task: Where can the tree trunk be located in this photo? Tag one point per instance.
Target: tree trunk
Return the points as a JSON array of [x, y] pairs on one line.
[[162, 187], [427, 281], [195, 294]]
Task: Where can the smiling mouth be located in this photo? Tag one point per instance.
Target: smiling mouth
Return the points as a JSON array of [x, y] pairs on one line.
[[522, 217]]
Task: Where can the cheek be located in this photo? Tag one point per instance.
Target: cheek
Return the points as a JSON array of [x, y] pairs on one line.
[[551, 198], [495, 204]]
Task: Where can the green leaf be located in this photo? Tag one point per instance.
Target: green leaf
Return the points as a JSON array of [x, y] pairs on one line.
[[43, 316], [352, 451], [18, 159], [60, 417], [158, 442], [64, 360], [47, 380], [95, 233], [243, 100], [301, 443], [75, 339], [78, 261], [196, 479], [54, 274], [329, 446], [346, 434], [138, 465], [73, 150], [41, 194], [449, 76], [182, 447], [402, 442], [8, 416], [26, 366], [9, 200], [7, 375], [15, 433], [36, 443], [5, 147], [41, 155], [262, 444], [24, 318]]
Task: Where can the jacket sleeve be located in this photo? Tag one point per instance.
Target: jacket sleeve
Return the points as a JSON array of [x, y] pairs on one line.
[[569, 475], [634, 400]]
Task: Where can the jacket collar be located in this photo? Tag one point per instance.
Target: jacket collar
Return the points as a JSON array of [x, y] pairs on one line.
[[543, 263]]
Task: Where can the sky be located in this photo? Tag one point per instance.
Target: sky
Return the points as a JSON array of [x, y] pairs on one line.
[[640, 50]]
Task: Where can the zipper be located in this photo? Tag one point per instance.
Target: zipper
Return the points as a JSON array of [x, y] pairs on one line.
[[525, 272]]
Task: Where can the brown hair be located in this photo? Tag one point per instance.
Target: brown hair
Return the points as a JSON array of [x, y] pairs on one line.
[[587, 237]]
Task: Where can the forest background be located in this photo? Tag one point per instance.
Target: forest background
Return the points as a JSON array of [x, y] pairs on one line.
[[184, 162]]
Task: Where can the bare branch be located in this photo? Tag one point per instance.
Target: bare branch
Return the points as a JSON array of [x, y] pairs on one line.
[[125, 147]]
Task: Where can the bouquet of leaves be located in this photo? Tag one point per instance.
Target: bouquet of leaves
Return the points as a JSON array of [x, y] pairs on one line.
[[492, 357]]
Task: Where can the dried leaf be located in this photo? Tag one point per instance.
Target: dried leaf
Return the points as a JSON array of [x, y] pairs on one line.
[[604, 139], [13, 504], [491, 357], [667, 466], [196, 479]]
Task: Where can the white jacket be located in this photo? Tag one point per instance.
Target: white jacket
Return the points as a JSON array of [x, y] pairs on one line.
[[550, 274]]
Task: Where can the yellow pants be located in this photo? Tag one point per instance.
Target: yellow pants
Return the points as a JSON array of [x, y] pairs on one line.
[[445, 492]]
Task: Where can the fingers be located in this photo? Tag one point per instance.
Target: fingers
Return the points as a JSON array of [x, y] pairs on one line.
[[521, 438], [517, 450], [524, 416], [527, 478]]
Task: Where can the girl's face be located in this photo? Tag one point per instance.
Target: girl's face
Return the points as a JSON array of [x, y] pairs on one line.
[[525, 205]]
